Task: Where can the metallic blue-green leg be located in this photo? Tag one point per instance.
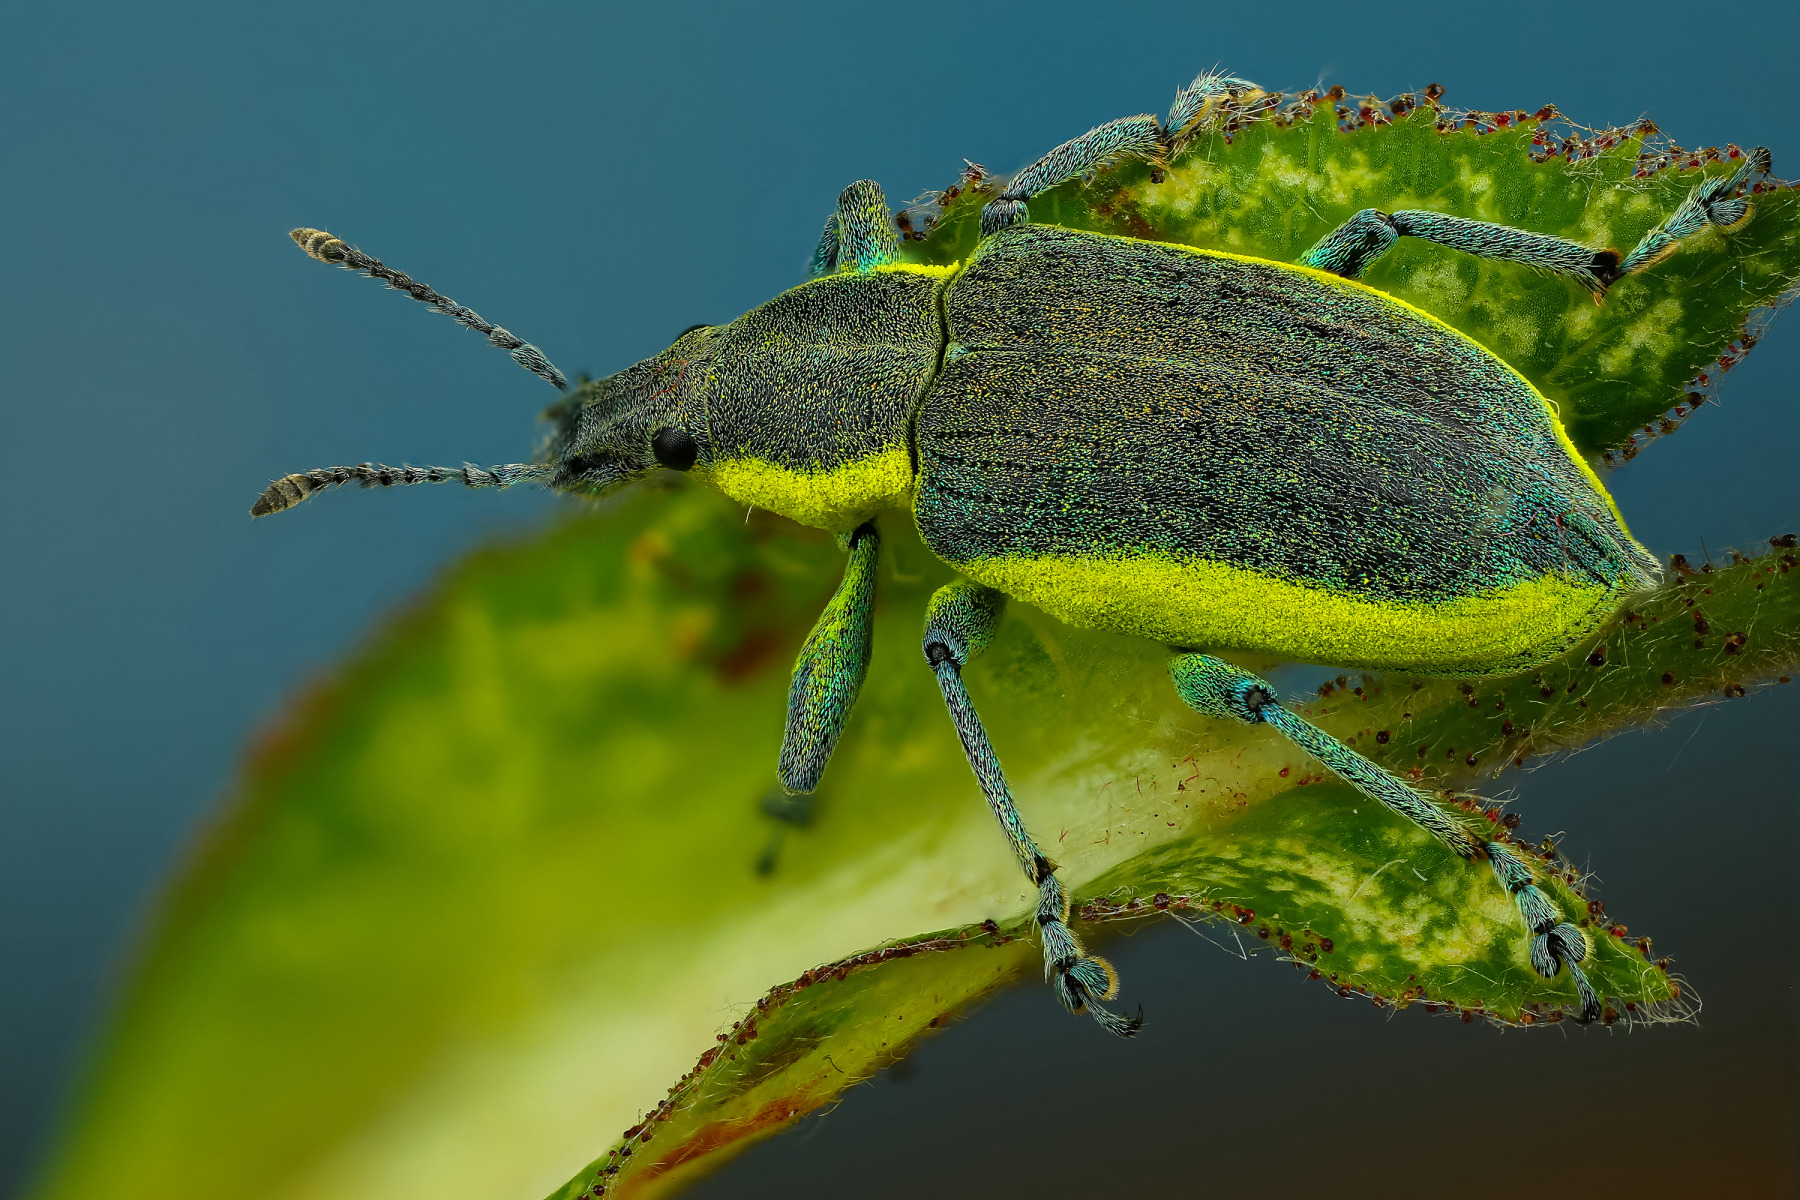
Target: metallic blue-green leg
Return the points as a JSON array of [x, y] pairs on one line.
[[1352, 246], [860, 235], [825, 254], [1142, 136], [1715, 202], [1553, 941], [959, 625], [1217, 689], [830, 668]]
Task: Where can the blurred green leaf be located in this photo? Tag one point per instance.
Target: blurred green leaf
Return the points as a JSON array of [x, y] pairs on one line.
[[494, 885]]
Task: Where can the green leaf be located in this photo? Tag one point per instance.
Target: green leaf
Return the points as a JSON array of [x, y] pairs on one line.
[[1286, 176], [494, 886]]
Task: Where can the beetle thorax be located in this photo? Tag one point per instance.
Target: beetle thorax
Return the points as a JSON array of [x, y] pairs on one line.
[[809, 398]]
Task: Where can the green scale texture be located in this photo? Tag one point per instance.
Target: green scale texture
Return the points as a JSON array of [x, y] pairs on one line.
[[824, 374], [1106, 396]]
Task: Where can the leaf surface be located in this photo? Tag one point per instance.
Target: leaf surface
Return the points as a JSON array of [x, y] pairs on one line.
[[493, 886]]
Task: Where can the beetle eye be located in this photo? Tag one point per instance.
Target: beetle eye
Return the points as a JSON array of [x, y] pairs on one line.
[[674, 448]]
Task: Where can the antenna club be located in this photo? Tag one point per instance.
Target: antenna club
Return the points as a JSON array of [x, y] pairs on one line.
[[321, 245], [285, 492]]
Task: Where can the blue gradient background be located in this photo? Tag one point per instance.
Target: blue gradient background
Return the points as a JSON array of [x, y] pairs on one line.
[[598, 178]]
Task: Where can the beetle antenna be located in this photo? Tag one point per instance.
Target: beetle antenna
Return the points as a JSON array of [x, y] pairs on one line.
[[338, 253], [290, 490]]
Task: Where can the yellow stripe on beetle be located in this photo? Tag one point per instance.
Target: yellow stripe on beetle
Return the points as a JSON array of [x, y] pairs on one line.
[[838, 499], [1216, 606]]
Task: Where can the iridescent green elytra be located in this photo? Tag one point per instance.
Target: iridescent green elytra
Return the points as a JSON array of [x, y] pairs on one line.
[[1165, 441]]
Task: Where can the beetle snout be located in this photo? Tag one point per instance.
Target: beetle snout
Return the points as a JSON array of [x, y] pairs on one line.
[[595, 473]]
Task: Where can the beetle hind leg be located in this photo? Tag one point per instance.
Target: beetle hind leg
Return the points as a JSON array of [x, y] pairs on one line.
[[1215, 688], [960, 624], [1352, 246]]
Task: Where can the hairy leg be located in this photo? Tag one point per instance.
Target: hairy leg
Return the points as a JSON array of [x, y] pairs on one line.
[[860, 235], [830, 669], [1216, 688], [1142, 136], [960, 624], [1352, 246]]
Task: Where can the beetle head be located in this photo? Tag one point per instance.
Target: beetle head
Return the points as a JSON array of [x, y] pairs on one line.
[[610, 431], [604, 433]]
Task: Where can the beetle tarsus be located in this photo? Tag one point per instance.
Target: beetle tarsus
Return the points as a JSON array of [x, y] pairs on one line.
[[1717, 201], [1555, 943]]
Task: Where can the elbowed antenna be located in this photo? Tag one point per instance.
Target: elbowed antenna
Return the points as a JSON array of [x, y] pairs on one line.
[[338, 253], [290, 490]]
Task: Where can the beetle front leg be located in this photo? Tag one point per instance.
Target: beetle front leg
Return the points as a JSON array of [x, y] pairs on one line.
[[1141, 136], [959, 625], [825, 254], [1215, 688], [830, 669]]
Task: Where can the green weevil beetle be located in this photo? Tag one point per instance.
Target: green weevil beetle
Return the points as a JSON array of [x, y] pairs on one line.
[[1215, 451]]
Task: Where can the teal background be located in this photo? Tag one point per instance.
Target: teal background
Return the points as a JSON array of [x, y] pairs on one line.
[[597, 178]]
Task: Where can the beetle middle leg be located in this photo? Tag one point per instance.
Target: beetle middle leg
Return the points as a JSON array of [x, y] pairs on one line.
[[1352, 246], [1217, 689], [959, 625], [860, 234]]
